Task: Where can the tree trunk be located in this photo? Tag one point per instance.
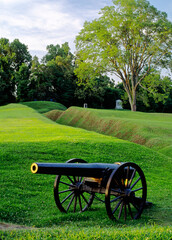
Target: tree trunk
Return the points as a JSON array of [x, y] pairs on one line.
[[133, 103], [131, 96], [133, 107]]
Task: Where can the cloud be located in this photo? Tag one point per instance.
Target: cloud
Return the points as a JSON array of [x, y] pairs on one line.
[[40, 24], [12, 2]]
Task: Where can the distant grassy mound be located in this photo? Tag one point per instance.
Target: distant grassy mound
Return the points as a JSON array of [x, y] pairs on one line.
[[27, 199], [153, 130], [44, 106], [53, 114]]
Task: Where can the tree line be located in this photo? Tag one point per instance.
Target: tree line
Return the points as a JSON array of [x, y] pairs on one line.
[[131, 39], [25, 78]]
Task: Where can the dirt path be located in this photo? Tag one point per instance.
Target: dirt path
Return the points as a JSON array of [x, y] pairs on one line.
[[9, 226]]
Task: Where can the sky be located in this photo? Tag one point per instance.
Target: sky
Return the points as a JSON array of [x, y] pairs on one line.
[[38, 23]]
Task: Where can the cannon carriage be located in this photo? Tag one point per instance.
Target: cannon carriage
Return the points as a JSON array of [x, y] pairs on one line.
[[78, 183]]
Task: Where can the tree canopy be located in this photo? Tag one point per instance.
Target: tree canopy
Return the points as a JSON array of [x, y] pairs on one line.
[[129, 39]]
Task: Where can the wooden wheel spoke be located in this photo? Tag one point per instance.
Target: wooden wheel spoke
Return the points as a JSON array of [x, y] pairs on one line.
[[125, 211], [99, 199], [130, 212], [117, 206], [67, 197], [120, 211], [135, 182], [80, 180], [138, 189], [84, 198], [131, 179], [66, 184], [74, 178], [117, 191], [75, 203], [115, 199], [68, 190], [80, 205], [71, 180], [127, 176], [70, 202]]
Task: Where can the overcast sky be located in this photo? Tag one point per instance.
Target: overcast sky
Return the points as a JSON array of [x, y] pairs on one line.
[[38, 23]]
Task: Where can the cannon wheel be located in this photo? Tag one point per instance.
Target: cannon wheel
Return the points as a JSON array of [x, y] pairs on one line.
[[68, 192], [126, 192]]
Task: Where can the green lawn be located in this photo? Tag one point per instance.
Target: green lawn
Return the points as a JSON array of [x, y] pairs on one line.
[[45, 106], [26, 137], [153, 130]]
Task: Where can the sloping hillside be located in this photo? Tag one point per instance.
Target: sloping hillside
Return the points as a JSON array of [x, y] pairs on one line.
[[44, 106], [27, 199], [153, 130]]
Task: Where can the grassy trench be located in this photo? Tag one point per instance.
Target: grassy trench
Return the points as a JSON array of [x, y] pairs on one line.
[[27, 199]]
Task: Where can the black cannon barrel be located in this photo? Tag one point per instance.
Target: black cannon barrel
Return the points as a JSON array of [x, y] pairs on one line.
[[95, 170]]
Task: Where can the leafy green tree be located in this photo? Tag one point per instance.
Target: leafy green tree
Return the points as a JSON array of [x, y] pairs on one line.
[[168, 104], [55, 50], [22, 54], [61, 75], [129, 39], [12, 56], [39, 82], [7, 85], [111, 95], [22, 83], [93, 92], [153, 95], [156, 87], [59, 63]]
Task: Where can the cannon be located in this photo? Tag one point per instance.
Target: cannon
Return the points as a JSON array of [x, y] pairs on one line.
[[121, 186]]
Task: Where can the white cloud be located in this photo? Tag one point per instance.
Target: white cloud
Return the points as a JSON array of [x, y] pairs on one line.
[[10, 2], [38, 23], [51, 17]]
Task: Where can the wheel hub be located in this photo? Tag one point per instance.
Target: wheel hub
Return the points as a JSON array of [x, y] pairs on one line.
[[129, 193], [78, 187]]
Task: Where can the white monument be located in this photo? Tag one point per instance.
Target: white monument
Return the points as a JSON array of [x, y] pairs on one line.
[[118, 104], [85, 105]]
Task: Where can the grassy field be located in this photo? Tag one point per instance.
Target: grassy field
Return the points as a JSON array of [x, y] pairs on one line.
[[45, 106], [27, 199], [153, 130]]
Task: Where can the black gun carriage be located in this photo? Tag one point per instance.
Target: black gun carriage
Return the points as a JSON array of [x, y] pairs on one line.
[[77, 184]]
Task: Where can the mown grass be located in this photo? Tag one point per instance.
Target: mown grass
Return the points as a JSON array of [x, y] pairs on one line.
[[153, 130], [45, 106], [66, 233], [54, 114], [27, 199]]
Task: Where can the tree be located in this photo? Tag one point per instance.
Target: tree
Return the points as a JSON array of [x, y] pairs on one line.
[[22, 83], [39, 82], [22, 54], [129, 40], [12, 56], [7, 85], [93, 92], [154, 94], [56, 50], [60, 67], [54, 77]]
